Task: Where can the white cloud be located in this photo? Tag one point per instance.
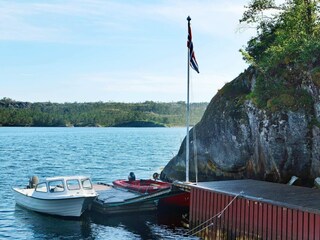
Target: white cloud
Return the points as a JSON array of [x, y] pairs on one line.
[[125, 86], [41, 20], [139, 87], [212, 17]]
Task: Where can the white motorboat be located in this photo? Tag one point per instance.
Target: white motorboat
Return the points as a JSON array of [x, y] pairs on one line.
[[67, 196]]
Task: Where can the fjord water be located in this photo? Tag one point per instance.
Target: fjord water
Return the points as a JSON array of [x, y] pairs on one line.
[[104, 154]]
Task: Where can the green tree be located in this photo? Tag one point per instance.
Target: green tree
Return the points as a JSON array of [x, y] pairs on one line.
[[288, 36], [285, 51]]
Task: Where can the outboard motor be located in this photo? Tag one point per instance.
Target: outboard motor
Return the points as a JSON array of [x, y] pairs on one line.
[[33, 181], [293, 180], [155, 176], [131, 176], [317, 182]]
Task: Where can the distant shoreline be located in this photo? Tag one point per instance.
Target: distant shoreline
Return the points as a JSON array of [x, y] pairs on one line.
[[15, 126], [135, 124], [97, 114]]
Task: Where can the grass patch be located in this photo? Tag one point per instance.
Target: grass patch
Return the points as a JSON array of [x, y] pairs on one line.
[[277, 95]]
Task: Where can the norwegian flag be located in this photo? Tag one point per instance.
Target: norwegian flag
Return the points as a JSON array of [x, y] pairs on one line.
[[193, 62]]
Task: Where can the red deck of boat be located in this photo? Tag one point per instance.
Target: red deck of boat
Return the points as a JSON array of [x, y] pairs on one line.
[[263, 210]]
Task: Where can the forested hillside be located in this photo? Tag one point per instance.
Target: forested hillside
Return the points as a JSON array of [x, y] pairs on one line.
[[104, 114]]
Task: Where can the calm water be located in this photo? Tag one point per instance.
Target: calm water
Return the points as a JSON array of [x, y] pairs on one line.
[[105, 154]]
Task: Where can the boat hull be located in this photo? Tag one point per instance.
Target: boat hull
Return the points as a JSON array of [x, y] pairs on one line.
[[113, 200], [109, 209], [177, 200], [66, 207]]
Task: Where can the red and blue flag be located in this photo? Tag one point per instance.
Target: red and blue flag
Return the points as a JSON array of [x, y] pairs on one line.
[[192, 58]]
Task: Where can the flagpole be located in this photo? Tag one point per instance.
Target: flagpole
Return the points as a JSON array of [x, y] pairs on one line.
[[188, 111]]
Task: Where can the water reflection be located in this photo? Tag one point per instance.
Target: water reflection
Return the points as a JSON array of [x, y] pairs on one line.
[[152, 225], [41, 226], [133, 223]]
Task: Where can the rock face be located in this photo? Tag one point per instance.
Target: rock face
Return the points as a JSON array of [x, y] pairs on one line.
[[235, 139]]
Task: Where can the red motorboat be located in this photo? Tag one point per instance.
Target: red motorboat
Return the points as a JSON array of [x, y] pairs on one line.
[[142, 186], [148, 186]]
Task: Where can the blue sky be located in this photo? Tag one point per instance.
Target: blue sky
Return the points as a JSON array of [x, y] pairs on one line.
[[113, 50]]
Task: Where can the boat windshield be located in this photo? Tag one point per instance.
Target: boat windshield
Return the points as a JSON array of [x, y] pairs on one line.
[[56, 186], [73, 184], [86, 183], [41, 187]]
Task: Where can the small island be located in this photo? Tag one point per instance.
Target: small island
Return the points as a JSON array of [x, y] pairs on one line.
[[139, 124]]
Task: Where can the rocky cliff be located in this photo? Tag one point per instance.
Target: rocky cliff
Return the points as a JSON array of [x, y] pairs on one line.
[[235, 139]]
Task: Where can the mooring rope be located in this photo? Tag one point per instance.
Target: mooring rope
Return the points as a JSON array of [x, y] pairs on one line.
[[219, 214]]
